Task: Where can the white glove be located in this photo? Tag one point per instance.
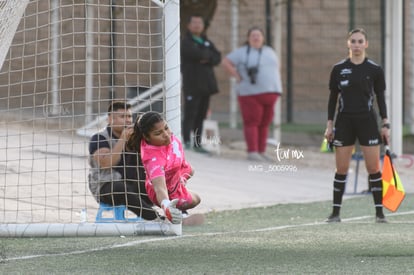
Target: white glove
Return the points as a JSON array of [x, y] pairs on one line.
[[173, 214]]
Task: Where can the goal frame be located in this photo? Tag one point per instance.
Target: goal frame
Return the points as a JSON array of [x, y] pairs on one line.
[[170, 88]]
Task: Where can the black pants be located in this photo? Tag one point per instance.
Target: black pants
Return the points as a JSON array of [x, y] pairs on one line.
[[130, 193], [195, 111]]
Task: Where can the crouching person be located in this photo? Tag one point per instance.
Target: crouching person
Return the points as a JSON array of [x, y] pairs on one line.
[[167, 170], [116, 175]]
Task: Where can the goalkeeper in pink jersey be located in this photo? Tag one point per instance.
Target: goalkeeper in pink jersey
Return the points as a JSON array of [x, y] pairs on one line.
[[167, 171]]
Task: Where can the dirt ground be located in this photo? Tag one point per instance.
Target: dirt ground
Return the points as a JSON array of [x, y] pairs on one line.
[[233, 146]]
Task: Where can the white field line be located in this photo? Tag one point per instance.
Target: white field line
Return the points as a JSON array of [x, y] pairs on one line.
[[162, 239]]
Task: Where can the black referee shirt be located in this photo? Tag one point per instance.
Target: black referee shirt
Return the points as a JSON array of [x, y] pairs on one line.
[[356, 85]]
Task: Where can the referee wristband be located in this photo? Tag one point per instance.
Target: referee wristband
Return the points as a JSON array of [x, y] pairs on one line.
[[386, 125]]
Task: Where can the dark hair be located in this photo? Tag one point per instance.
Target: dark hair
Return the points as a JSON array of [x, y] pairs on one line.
[[254, 28], [117, 105], [195, 15], [358, 30], [143, 125]]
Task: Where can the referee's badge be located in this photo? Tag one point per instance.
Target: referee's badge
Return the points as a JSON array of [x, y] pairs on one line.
[[344, 83], [346, 71]]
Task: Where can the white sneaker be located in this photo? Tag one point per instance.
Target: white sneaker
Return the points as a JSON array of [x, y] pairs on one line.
[[254, 156], [266, 158]]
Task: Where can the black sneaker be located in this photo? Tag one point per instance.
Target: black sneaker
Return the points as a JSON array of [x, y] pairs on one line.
[[333, 218], [380, 219]]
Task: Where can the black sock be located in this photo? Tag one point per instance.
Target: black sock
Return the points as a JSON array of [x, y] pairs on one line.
[[375, 181], [338, 192]]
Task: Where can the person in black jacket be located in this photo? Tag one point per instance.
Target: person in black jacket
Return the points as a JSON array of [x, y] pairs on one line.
[[198, 58]]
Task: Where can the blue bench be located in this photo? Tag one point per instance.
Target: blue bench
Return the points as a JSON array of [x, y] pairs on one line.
[[118, 214]]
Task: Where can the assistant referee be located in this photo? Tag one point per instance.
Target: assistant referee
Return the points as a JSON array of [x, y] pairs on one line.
[[357, 81]]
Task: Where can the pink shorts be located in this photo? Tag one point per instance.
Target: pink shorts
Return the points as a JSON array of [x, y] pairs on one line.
[[181, 193]]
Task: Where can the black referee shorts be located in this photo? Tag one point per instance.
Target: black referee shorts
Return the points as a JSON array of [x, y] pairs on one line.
[[361, 126]]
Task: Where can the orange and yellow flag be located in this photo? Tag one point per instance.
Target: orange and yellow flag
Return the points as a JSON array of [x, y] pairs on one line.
[[393, 192]]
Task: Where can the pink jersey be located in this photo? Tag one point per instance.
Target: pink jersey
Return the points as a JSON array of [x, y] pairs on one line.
[[167, 161]]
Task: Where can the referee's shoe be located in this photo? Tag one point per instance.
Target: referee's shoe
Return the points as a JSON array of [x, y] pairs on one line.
[[333, 218], [380, 219]]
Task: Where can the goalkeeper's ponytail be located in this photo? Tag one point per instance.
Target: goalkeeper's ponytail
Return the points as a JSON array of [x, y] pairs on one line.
[[143, 125]]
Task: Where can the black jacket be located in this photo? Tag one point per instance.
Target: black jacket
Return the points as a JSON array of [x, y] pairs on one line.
[[198, 78]]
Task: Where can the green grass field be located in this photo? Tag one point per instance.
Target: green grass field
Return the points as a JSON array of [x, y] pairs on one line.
[[288, 238]]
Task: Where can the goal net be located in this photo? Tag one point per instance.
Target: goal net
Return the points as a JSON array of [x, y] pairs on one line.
[[62, 62]]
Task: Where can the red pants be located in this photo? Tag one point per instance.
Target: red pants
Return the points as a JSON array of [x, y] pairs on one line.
[[257, 113]]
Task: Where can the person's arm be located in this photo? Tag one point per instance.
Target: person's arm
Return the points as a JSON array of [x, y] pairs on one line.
[[231, 69], [186, 171], [107, 158], [160, 189], [214, 55], [333, 98], [191, 53], [172, 213], [379, 88]]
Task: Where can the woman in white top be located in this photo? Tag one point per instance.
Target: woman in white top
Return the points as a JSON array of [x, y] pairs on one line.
[[255, 67]]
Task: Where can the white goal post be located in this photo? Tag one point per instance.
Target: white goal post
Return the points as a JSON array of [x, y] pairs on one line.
[[62, 62]]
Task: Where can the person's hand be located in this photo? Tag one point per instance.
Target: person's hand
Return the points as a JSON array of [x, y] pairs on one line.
[[127, 132], [173, 214], [183, 180], [185, 177], [329, 133], [385, 134]]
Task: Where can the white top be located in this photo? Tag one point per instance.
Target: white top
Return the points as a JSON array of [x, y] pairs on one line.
[[268, 76]]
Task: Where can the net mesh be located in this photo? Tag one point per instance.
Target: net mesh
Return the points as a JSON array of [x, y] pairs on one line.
[[10, 14], [64, 63]]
